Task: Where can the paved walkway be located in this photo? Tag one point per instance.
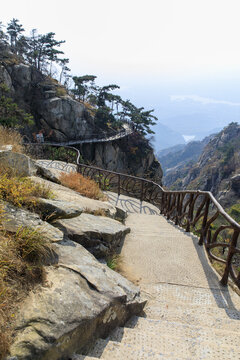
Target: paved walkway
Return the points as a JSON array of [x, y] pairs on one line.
[[189, 315]]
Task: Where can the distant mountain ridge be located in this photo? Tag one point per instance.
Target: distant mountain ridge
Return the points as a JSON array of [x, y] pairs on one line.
[[177, 156], [216, 170]]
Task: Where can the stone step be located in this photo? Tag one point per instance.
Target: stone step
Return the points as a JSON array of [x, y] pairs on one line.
[[220, 318], [181, 345], [162, 348], [180, 330], [82, 357], [111, 350], [193, 296]]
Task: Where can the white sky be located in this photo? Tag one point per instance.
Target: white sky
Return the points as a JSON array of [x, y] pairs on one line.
[[175, 38], [161, 52]]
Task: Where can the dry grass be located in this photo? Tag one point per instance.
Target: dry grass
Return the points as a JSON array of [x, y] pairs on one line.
[[21, 258], [98, 212], [11, 137], [21, 191], [83, 185]]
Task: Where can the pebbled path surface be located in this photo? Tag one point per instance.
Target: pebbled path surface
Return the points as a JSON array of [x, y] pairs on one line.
[[189, 315]]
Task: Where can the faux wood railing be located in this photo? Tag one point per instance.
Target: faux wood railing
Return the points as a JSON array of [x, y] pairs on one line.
[[195, 211]]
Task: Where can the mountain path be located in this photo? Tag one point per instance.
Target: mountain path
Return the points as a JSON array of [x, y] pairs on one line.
[[189, 315]]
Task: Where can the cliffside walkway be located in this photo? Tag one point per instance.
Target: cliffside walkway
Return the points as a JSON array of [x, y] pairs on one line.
[[189, 315], [120, 135]]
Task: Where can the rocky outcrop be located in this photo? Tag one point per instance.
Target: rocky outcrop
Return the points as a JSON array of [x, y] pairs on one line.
[[82, 300], [17, 217], [61, 118], [23, 165], [74, 199], [132, 155], [99, 235]]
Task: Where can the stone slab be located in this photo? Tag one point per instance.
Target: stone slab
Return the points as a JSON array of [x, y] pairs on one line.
[[100, 235]]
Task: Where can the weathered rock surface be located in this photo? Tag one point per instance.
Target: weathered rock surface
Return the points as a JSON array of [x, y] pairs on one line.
[[99, 235], [83, 300], [45, 170], [55, 209], [18, 217], [132, 155], [65, 194], [61, 116], [22, 164], [67, 117]]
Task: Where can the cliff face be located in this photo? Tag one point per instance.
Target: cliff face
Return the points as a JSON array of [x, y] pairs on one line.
[[217, 169], [62, 118], [131, 155]]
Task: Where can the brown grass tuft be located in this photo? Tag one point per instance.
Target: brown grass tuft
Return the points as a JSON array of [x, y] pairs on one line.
[[22, 255], [21, 258], [97, 212], [11, 137], [85, 186], [21, 191]]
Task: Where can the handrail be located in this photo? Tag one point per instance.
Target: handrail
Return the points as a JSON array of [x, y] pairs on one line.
[[121, 134], [195, 210]]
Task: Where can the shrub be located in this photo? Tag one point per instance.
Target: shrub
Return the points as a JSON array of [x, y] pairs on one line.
[[21, 259], [20, 191], [61, 91], [97, 212], [12, 137], [85, 186], [114, 262]]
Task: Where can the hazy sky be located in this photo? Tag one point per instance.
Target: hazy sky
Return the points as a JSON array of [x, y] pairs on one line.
[[166, 47]]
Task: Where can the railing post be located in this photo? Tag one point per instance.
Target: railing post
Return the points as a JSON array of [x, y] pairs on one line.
[[142, 188], [162, 202], [178, 206], [204, 222], [119, 185], [190, 213], [168, 205], [232, 247]]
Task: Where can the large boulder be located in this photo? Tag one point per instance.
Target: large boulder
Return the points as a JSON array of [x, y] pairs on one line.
[[83, 300], [99, 235], [18, 217], [52, 209], [22, 164], [52, 170], [66, 118], [65, 194]]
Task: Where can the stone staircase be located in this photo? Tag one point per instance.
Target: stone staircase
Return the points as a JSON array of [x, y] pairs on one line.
[[179, 322], [188, 315]]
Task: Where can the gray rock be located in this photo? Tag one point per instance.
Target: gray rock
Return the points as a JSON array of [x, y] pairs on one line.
[[83, 300], [58, 209], [100, 235], [6, 148], [52, 170], [65, 117], [65, 194], [235, 183], [18, 217], [22, 164]]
